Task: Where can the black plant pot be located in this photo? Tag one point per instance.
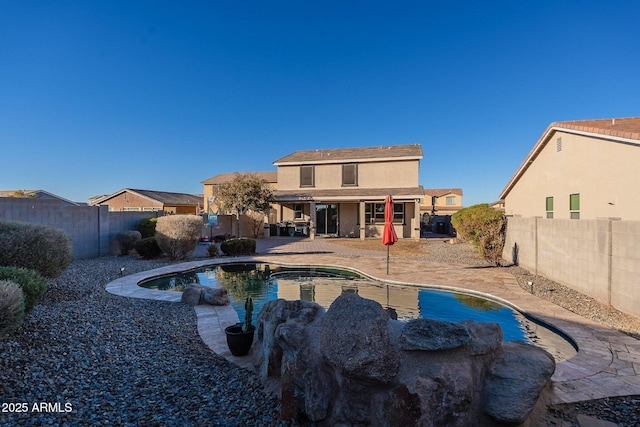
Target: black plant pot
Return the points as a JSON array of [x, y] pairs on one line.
[[239, 342]]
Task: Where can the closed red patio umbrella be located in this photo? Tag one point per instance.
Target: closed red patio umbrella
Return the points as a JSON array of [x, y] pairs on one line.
[[389, 236]]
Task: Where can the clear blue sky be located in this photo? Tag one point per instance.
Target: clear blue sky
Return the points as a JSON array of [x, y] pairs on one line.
[[96, 96]]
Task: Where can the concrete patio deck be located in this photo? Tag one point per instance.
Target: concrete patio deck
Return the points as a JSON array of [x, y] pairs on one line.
[[607, 363]]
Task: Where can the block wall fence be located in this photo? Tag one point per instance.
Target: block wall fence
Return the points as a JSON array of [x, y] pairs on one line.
[[91, 228], [599, 258]]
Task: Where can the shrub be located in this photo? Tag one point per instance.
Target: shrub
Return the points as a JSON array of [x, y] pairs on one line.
[[177, 235], [11, 307], [33, 285], [484, 227], [148, 248], [43, 248], [213, 251], [147, 227], [127, 240], [241, 246]]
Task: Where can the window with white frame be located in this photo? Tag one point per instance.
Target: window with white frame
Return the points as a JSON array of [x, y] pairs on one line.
[[574, 206], [549, 207]]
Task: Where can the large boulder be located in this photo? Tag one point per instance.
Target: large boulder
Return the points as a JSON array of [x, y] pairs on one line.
[[354, 339], [195, 294], [353, 366]]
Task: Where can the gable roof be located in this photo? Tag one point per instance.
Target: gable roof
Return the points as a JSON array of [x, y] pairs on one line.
[[622, 130], [164, 197], [439, 192], [359, 154], [269, 177], [36, 194]]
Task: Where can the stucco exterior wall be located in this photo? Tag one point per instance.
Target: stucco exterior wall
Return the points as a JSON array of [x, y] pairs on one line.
[[370, 175], [596, 257], [349, 220], [603, 172], [129, 200]]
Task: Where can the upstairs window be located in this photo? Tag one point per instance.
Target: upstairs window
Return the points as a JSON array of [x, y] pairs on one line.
[[451, 200], [350, 175], [307, 176], [549, 207], [574, 206]]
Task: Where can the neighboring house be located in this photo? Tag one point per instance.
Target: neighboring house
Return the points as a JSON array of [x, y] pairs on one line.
[[437, 207], [134, 200], [441, 201], [585, 169], [37, 194], [212, 186], [497, 205], [341, 192]]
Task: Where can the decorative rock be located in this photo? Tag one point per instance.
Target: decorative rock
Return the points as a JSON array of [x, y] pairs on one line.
[[192, 295], [198, 294], [215, 296], [515, 380], [355, 340], [353, 366], [431, 334]]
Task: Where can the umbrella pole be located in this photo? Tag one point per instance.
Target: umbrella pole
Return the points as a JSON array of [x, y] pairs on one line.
[[388, 259]]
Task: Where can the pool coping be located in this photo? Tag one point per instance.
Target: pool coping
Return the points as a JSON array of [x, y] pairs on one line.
[[607, 362]]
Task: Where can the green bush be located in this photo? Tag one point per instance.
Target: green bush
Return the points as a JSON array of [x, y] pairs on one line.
[[46, 249], [484, 227], [148, 248], [241, 246], [213, 251], [147, 227], [127, 241], [178, 235], [11, 307], [33, 285]]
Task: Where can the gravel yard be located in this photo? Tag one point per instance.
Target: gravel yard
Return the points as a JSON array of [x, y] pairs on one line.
[[97, 359]]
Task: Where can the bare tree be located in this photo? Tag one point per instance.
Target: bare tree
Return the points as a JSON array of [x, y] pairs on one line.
[[246, 192]]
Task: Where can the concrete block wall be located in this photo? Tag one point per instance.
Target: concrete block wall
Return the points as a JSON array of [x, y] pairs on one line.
[[600, 258], [625, 266], [91, 228]]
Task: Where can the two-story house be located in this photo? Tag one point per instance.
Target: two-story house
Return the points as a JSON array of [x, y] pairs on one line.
[[340, 192], [584, 169]]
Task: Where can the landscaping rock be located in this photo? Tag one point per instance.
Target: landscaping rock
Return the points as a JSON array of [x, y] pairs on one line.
[[351, 365], [215, 296], [192, 295]]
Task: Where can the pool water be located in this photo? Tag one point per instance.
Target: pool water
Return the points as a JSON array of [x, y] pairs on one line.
[[265, 282]]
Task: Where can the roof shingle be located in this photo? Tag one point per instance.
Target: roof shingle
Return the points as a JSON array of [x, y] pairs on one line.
[[413, 151]]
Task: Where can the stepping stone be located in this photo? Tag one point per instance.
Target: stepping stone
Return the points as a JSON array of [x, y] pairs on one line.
[[585, 421]]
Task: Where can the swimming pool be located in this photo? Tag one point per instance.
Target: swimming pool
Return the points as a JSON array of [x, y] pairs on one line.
[[264, 282]]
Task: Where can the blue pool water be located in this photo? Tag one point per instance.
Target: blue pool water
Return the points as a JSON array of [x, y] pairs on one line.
[[265, 282]]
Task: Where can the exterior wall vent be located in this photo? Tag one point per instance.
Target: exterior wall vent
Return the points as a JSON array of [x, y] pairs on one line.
[[559, 144]]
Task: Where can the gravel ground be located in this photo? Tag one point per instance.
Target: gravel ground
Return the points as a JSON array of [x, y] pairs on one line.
[[112, 360], [93, 358]]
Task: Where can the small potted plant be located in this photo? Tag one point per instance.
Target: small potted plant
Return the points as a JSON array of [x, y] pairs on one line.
[[240, 335]]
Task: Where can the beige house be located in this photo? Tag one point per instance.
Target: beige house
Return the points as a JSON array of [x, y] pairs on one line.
[[134, 200], [441, 201], [37, 194], [341, 192], [586, 169]]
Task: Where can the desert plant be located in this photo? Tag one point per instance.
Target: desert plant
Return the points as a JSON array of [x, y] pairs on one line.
[[236, 247], [46, 249], [177, 235], [147, 227], [11, 307], [33, 285], [484, 227], [127, 241], [213, 251], [248, 314], [148, 248]]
